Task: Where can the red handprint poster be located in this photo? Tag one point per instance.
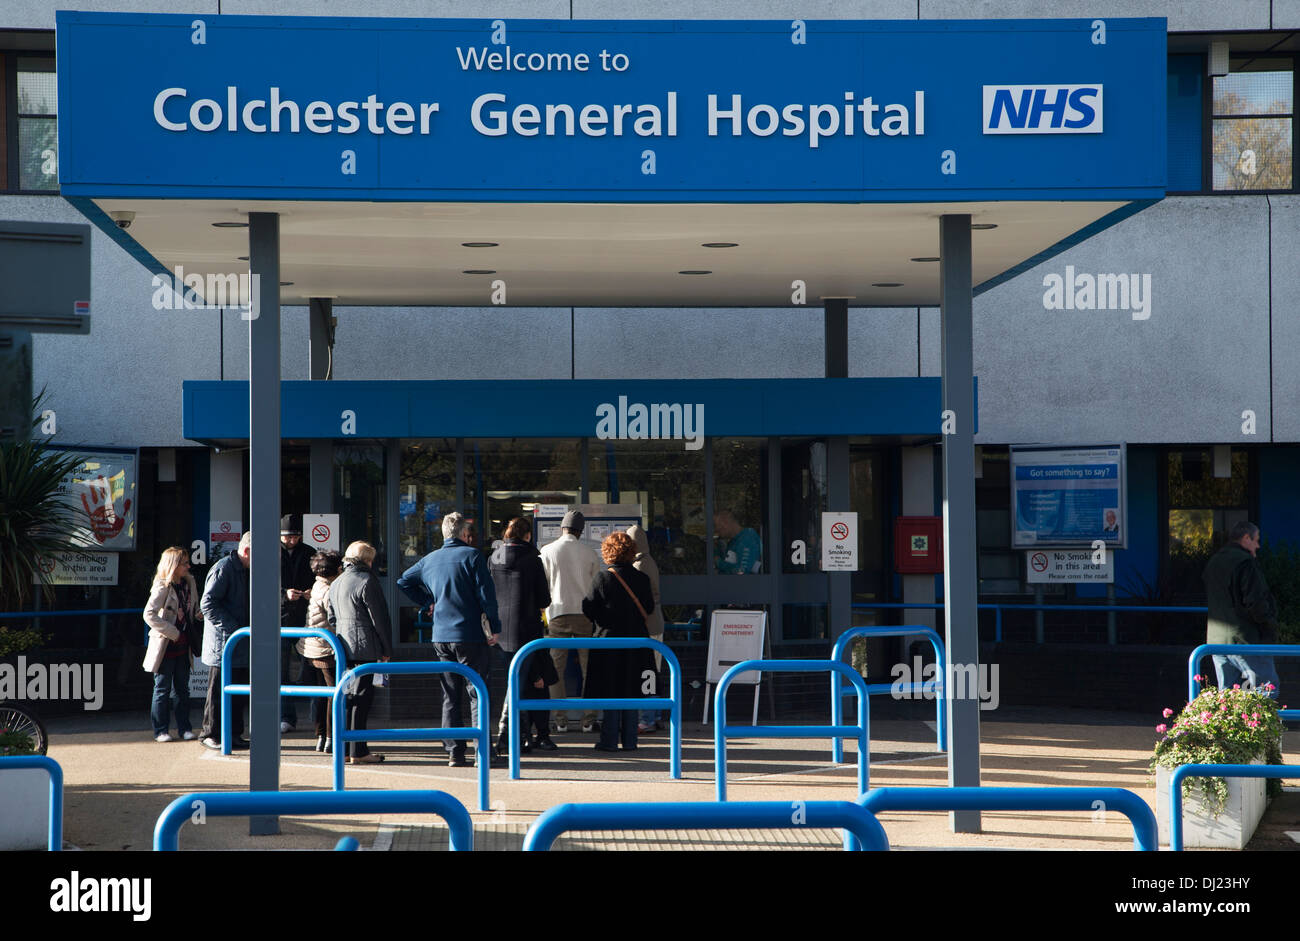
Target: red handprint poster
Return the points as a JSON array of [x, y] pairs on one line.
[[102, 493]]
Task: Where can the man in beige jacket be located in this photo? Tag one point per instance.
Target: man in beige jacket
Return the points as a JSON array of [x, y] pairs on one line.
[[570, 568]]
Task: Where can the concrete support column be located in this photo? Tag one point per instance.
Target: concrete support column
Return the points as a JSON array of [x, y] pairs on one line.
[[835, 314], [321, 310], [960, 582], [264, 510]]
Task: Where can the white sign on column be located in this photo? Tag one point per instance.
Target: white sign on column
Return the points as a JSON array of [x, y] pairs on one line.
[[840, 542], [320, 531]]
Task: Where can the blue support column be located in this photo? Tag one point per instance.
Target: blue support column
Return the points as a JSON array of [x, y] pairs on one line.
[[960, 584]]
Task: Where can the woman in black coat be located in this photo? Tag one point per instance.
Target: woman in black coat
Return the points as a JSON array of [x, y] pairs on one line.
[[618, 604], [522, 594]]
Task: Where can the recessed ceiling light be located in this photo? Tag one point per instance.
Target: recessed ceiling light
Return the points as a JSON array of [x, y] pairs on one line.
[[478, 271], [242, 258], [230, 225], [720, 244], [983, 225], [926, 258], [285, 284], [480, 244], [694, 272], [887, 284]]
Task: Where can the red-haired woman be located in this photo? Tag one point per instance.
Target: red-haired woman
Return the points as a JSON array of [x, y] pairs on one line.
[[619, 603]]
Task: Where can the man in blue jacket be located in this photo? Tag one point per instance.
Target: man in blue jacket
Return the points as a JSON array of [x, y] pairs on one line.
[[225, 610], [454, 584]]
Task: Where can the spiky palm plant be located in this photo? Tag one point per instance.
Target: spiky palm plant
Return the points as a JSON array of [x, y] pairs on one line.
[[36, 521]]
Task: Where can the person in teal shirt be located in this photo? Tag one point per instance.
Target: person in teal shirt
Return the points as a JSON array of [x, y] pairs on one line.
[[737, 550]]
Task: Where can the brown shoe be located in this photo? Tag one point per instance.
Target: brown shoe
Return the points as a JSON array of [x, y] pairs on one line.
[[370, 759]]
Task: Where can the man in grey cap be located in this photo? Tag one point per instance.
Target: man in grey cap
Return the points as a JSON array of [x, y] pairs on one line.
[[570, 568]]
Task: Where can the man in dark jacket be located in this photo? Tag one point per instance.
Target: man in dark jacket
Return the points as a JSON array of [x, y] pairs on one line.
[[454, 584], [296, 579], [225, 610], [1241, 610]]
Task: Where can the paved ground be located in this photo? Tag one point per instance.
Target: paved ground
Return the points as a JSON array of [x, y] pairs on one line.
[[118, 780]]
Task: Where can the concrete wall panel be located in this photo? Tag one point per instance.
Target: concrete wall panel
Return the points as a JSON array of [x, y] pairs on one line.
[[1286, 317], [1183, 375], [883, 341], [1286, 14], [1183, 15], [744, 10], [39, 14]]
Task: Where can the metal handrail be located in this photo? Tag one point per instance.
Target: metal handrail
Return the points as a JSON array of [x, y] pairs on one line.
[[166, 832], [229, 690], [1124, 801], [767, 815], [999, 608], [343, 735], [54, 829], [936, 686], [1258, 650], [1213, 771], [673, 702], [721, 731]]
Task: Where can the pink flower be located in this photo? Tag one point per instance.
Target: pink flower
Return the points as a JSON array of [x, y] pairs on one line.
[[1254, 715], [1167, 713], [1269, 686], [1162, 727], [1236, 686], [1198, 677], [1246, 717], [1224, 707]]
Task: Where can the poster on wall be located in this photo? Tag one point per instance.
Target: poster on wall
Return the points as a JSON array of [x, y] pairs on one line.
[[68, 568], [223, 539], [601, 520], [101, 491], [1068, 496]]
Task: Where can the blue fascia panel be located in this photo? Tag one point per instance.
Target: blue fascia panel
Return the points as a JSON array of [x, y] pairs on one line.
[[218, 411]]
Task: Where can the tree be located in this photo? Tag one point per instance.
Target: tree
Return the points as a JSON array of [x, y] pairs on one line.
[[1251, 153]]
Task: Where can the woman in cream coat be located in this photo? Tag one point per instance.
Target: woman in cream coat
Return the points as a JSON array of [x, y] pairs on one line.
[[173, 619]]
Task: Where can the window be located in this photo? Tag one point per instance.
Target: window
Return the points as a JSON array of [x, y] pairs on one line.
[[1201, 509], [31, 129], [1252, 126]]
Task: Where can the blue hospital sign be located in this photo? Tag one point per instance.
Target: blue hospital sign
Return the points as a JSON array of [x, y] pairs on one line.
[[1068, 496], [539, 110]]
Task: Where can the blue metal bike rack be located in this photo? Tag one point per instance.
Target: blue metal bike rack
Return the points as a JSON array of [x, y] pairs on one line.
[[342, 735], [54, 831], [348, 844], [166, 832], [229, 690], [1118, 799], [768, 815], [722, 731], [1213, 771], [1244, 650], [838, 692], [672, 702]]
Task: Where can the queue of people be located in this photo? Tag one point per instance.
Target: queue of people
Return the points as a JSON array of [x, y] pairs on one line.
[[517, 596]]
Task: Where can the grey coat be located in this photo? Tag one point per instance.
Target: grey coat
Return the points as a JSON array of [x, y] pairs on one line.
[[225, 610], [359, 614]]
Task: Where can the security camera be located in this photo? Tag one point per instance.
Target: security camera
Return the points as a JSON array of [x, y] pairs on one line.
[[122, 217]]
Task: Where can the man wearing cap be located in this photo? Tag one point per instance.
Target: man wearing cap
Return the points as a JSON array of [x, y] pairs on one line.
[[570, 568], [296, 579]]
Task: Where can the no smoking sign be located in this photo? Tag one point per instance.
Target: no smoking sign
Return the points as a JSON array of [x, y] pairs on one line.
[[322, 530], [839, 548]]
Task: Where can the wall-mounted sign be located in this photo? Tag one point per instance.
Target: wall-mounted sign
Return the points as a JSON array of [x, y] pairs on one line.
[[1052, 566], [101, 491], [223, 539], [320, 531], [601, 520], [840, 542], [1072, 496], [67, 568]]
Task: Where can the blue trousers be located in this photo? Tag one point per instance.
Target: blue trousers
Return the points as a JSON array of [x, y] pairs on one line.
[[171, 680], [1248, 672]]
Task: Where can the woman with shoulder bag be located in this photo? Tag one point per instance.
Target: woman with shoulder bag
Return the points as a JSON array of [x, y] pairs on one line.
[[173, 617], [619, 603], [318, 654]]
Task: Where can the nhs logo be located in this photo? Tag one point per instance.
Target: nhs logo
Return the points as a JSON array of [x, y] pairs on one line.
[[1042, 109]]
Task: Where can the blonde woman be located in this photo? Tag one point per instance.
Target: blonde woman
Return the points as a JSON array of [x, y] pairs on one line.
[[173, 619]]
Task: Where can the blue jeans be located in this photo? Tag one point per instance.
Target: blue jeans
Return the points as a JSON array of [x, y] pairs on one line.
[[172, 679], [1248, 672]]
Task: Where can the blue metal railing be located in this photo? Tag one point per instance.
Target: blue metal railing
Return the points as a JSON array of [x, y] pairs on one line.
[[229, 690], [767, 815], [480, 734], [838, 692], [67, 614], [347, 845], [1213, 771], [54, 830], [1020, 798], [1243, 650], [721, 731], [673, 702], [997, 609], [166, 832]]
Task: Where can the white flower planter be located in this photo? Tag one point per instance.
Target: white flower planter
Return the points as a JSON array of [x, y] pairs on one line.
[[1232, 829], [24, 809]]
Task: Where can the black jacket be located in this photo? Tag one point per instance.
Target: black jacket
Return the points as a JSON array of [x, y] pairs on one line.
[[618, 673], [1241, 608], [295, 572], [522, 592]]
